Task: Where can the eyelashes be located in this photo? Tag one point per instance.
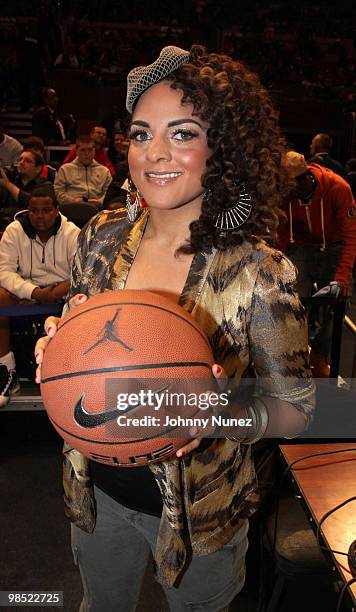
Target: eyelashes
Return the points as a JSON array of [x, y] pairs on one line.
[[138, 135], [185, 134], [181, 135]]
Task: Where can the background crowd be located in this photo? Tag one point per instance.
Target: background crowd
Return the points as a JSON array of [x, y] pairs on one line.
[[308, 49]]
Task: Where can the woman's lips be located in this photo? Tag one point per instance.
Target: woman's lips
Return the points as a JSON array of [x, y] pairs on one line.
[[162, 178]]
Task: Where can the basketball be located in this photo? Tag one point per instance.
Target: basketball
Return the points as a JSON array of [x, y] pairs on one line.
[[114, 346]]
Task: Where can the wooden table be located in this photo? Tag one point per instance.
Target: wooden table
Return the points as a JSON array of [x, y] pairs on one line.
[[324, 482]]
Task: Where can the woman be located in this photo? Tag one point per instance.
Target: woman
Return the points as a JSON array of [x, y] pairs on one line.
[[205, 155]]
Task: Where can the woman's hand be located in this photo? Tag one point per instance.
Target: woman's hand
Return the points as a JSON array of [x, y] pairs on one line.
[[50, 327], [219, 374]]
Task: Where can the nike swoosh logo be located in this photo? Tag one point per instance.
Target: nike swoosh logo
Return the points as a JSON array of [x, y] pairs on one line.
[[89, 420]]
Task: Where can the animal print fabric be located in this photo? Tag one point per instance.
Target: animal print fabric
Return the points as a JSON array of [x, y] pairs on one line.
[[244, 299]]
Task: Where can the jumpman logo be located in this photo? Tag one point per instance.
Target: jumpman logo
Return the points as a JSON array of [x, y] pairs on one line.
[[108, 333]]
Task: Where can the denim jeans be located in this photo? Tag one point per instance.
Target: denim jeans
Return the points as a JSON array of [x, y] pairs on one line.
[[113, 559], [316, 267]]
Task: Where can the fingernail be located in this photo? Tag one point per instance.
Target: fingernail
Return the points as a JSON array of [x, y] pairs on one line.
[[179, 453], [49, 330], [80, 297], [193, 431], [218, 369]]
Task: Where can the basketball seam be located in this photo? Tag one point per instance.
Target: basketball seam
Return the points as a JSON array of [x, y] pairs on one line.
[[174, 364], [195, 327]]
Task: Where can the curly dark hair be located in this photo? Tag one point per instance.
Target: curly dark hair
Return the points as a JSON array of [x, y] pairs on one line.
[[246, 143]]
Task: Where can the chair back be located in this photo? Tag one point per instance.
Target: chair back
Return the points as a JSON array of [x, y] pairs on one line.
[[79, 213]]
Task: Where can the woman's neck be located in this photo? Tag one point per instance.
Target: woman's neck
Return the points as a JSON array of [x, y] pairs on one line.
[[171, 226]]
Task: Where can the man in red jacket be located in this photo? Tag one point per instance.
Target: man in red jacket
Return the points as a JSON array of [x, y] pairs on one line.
[[319, 236], [98, 135]]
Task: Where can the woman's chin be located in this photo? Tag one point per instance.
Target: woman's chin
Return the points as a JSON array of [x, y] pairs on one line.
[[160, 203]]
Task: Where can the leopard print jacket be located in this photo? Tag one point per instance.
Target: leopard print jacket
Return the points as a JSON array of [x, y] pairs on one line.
[[244, 300]]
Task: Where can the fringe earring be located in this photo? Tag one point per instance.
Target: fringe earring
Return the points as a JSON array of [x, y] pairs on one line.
[[232, 218], [133, 200]]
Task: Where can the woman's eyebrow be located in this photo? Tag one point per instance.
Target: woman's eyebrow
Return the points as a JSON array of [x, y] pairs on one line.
[[170, 124], [141, 123], [180, 121]]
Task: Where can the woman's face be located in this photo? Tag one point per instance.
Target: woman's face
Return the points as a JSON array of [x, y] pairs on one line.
[[168, 149]]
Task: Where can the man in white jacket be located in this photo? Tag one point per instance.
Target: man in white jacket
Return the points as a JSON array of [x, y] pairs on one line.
[[82, 180], [36, 253]]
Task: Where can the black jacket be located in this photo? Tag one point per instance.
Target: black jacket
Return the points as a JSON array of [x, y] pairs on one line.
[[324, 159], [44, 124], [6, 199]]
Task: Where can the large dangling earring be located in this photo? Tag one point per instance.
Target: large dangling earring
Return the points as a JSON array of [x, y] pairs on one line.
[[132, 203], [232, 218]]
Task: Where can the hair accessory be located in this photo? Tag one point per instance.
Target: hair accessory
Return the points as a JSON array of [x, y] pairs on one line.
[[133, 201], [232, 218], [141, 78]]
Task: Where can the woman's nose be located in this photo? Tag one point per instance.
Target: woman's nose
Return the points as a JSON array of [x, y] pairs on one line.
[[158, 148]]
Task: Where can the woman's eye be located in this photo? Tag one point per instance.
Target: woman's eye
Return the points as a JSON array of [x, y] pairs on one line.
[[184, 135], [139, 136]]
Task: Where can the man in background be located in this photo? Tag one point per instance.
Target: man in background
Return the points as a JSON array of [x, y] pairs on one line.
[[35, 143], [48, 124], [36, 253], [98, 135], [319, 236], [16, 187], [84, 179], [320, 148]]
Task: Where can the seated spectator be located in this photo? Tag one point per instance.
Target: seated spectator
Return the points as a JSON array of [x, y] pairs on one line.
[[16, 192], [350, 168], [117, 151], [36, 252], [320, 148], [35, 143], [318, 234], [84, 179], [98, 135], [10, 149], [53, 128]]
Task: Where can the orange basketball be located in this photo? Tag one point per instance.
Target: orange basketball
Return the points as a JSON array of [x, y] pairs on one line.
[[99, 368]]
